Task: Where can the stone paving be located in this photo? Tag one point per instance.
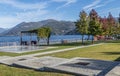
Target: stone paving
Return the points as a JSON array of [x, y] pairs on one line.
[[82, 66], [11, 60], [77, 66], [39, 63]]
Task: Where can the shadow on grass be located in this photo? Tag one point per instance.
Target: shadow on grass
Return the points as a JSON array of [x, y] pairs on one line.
[[118, 59], [112, 53]]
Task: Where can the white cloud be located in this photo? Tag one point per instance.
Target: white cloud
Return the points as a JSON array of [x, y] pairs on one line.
[[67, 2], [8, 21], [24, 6], [115, 11], [88, 7], [32, 12], [31, 15], [97, 4]]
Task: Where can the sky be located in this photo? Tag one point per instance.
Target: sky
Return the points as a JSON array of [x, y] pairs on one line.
[[13, 12]]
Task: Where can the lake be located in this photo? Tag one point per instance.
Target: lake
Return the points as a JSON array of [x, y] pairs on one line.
[[53, 38]]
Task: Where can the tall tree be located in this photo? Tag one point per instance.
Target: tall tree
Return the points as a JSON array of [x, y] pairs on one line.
[[117, 29], [95, 27], [111, 24], [119, 19], [105, 27], [82, 24], [44, 32]]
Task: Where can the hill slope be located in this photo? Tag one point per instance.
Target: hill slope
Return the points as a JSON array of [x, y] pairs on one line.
[[57, 27], [2, 30]]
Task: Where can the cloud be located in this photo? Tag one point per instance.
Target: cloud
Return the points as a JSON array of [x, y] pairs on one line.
[[104, 3], [24, 6], [67, 2], [30, 12], [114, 11], [31, 15], [8, 21], [92, 5], [97, 4]]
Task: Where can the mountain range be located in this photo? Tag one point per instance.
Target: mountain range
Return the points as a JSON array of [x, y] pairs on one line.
[[57, 27], [2, 30]]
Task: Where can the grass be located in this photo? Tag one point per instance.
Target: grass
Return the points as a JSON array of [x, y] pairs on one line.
[[58, 47], [12, 71], [108, 51], [38, 51]]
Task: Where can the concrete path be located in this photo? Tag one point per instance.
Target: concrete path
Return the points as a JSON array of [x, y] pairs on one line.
[[61, 50], [10, 60]]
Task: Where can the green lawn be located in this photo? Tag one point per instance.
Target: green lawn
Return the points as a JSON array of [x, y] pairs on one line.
[[12, 71], [38, 51], [108, 51], [58, 46]]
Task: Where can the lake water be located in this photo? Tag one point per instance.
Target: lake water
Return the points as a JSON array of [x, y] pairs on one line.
[[52, 38]]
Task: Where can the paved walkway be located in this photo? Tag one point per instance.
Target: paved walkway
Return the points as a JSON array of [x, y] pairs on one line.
[[61, 50]]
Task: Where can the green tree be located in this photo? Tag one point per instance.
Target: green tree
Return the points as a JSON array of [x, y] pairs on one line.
[[44, 32], [82, 24], [119, 19], [117, 28], [111, 25], [95, 27]]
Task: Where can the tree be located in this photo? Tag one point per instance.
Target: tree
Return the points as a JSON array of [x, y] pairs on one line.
[[104, 26], [82, 24], [119, 19], [117, 29], [111, 25], [44, 32], [95, 27]]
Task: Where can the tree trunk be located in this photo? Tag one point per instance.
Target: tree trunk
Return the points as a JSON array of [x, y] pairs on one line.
[[38, 39], [48, 41], [82, 39], [93, 40], [88, 37]]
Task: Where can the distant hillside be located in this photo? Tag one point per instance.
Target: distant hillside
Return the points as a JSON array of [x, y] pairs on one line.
[[58, 27], [2, 30]]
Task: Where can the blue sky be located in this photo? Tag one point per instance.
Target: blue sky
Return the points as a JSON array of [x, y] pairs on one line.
[[12, 12]]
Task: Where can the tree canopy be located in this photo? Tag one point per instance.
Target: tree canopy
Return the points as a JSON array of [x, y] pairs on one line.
[[82, 24]]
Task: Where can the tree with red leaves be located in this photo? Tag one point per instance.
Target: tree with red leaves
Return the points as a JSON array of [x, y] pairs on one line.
[[95, 27], [111, 24]]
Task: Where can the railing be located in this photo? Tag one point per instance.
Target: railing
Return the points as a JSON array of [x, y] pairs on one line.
[[9, 44]]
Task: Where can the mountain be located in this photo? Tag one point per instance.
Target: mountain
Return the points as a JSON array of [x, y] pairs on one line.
[[57, 27], [2, 30]]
